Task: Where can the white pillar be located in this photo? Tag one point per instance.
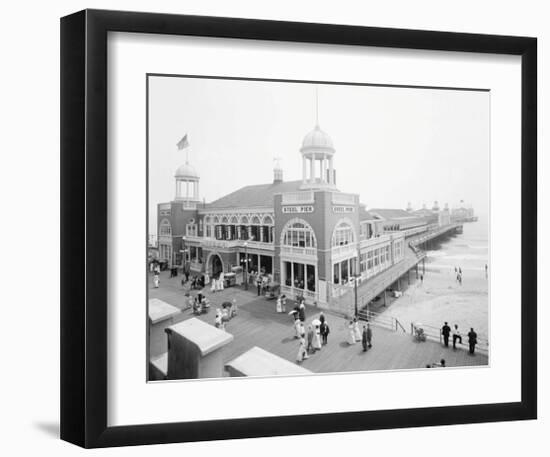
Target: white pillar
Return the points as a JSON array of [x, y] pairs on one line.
[[331, 172], [304, 169], [312, 168]]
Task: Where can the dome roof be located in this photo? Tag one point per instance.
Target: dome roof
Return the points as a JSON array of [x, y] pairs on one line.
[[317, 139], [186, 171]]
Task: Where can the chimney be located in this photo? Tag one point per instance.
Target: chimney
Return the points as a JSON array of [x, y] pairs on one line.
[[277, 171]]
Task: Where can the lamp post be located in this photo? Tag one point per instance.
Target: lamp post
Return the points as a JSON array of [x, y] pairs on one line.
[[245, 265], [184, 252], [355, 289]]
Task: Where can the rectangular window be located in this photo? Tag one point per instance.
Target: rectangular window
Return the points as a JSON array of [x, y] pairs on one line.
[[310, 278], [287, 268]]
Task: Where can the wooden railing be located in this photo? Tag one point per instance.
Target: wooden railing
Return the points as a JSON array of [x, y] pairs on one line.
[[434, 334]]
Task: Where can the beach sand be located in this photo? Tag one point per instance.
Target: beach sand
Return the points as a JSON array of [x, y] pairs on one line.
[[441, 298]]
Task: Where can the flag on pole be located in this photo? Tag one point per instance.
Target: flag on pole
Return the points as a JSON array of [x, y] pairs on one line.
[[183, 143]]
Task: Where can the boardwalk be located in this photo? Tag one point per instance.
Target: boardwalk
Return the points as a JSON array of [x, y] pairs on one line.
[[257, 324]]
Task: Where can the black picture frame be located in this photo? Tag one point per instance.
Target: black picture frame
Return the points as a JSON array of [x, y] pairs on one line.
[[84, 227]]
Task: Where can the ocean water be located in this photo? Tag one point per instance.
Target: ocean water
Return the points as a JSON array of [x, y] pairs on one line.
[[469, 251], [440, 298]]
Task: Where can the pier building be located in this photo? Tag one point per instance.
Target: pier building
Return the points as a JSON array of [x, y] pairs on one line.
[[315, 241]]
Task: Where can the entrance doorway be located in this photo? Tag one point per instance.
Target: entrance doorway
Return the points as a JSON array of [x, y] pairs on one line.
[[217, 265]]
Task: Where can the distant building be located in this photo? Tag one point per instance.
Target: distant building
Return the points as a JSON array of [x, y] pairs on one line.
[[463, 213]]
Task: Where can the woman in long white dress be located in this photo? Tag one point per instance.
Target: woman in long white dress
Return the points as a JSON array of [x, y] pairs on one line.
[[351, 333], [357, 330], [156, 281], [302, 352], [317, 339], [214, 285], [298, 328], [220, 281], [279, 305]]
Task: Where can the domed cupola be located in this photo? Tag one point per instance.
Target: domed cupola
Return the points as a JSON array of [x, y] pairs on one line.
[[317, 141], [186, 171], [317, 160], [187, 180]]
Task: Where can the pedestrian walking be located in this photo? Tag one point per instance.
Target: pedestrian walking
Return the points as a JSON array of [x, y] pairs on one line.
[[259, 283], [421, 279], [356, 330], [221, 281], [460, 271], [472, 340], [317, 338], [351, 333], [321, 317], [283, 301], [302, 352], [310, 334], [302, 310], [369, 336], [279, 305], [206, 279], [156, 280], [325, 330], [364, 338], [456, 336], [446, 332], [297, 328]]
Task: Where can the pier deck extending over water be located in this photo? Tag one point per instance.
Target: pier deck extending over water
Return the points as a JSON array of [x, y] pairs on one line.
[[258, 324], [392, 277]]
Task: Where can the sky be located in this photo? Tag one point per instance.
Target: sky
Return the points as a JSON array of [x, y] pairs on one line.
[[393, 145]]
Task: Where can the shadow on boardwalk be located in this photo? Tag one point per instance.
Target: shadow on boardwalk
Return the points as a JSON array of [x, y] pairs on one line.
[[258, 324]]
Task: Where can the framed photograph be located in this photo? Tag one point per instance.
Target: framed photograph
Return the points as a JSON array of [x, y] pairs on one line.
[[276, 228]]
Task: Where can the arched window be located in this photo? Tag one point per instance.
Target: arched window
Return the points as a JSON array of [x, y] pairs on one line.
[[255, 221], [343, 234], [244, 220], [224, 220], [268, 220], [165, 228], [298, 233], [234, 220]]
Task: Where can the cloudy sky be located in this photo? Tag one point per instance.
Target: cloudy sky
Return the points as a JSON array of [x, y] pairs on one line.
[[393, 145]]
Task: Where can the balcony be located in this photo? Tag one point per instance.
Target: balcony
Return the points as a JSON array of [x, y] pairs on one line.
[[229, 244], [299, 252], [343, 252]]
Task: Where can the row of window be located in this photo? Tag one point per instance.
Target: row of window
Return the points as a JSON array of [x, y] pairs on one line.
[[296, 234]]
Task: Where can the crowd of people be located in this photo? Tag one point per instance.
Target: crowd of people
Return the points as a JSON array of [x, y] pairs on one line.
[[316, 336]]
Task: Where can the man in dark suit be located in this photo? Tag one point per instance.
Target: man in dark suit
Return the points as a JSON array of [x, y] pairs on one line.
[[472, 340], [446, 331]]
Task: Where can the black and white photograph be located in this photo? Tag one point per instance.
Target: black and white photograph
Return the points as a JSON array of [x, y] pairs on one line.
[[301, 227]]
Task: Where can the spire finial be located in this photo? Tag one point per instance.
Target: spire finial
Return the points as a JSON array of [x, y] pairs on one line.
[[317, 106]]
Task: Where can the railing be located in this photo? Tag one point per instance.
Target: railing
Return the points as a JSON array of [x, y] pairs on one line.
[[434, 334], [382, 320], [297, 197], [344, 251], [296, 293], [433, 233], [298, 251], [225, 244], [343, 199]]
